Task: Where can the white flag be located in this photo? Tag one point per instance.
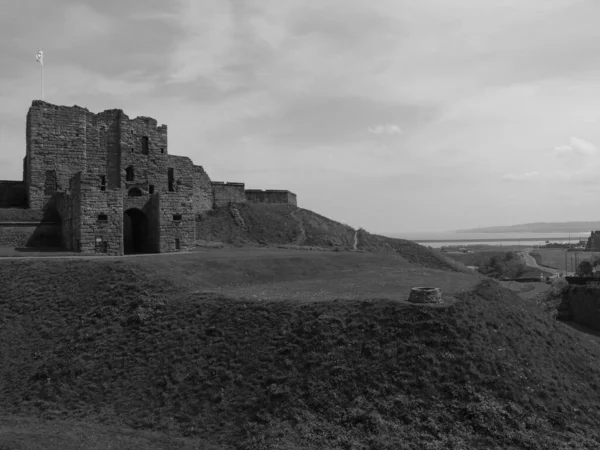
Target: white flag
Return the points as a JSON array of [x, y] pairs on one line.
[[40, 57]]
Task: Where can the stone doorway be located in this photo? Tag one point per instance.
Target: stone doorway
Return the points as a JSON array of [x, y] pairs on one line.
[[135, 232]]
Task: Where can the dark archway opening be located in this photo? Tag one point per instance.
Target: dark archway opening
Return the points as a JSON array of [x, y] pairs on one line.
[[134, 192], [135, 232]]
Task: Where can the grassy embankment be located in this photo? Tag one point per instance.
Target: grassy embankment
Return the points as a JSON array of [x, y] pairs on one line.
[[113, 352]]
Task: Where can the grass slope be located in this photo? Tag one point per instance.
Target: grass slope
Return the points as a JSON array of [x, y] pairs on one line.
[[114, 343], [267, 224], [272, 224], [411, 251]]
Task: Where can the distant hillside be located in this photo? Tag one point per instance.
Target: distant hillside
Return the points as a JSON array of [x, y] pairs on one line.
[[539, 227]]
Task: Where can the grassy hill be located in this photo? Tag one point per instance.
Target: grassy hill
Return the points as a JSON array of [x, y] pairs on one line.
[[99, 348], [286, 225], [273, 224]]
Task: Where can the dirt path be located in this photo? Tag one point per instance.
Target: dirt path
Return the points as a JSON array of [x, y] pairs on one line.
[[531, 262]]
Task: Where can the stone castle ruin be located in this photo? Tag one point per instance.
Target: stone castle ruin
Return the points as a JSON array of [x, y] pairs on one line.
[[104, 183]]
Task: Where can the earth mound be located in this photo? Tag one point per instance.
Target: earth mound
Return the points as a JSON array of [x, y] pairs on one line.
[[119, 345]]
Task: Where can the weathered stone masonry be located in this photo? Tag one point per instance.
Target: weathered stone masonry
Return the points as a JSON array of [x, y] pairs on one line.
[[110, 186]]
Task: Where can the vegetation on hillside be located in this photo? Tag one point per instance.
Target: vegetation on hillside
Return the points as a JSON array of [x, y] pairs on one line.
[[497, 264], [121, 345], [271, 224], [411, 251]]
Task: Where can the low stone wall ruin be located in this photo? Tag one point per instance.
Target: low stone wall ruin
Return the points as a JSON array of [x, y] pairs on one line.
[[271, 196], [226, 193], [29, 234]]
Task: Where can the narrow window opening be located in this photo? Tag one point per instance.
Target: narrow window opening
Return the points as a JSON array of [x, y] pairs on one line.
[[103, 182], [102, 217], [145, 145], [132, 150], [151, 189], [177, 247], [171, 176], [177, 217], [162, 150], [129, 175]]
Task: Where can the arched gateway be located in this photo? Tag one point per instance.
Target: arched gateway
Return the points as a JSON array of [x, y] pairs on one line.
[[135, 232]]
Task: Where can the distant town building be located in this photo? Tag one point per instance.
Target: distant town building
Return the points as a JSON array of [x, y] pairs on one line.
[[593, 242]]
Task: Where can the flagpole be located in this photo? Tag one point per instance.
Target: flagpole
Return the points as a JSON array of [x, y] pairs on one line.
[[42, 79], [40, 58]]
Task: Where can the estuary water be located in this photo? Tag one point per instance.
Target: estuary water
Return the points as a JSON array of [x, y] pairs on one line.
[[451, 238]]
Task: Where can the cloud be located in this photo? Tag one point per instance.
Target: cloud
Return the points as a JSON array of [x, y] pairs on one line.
[[576, 146], [385, 129], [520, 176]]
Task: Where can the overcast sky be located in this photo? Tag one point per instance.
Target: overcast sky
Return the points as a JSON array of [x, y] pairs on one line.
[[392, 115]]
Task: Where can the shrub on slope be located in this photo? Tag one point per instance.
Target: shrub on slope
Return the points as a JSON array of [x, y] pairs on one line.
[[106, 341]]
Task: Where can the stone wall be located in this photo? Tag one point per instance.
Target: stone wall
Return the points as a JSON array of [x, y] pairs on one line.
[[30, 235], [144, 149], [56, 149], [21, 215], [98, 217], [29, 227], [271, 196], [177, 222], [226, 193], [13, 194], [203, 192]]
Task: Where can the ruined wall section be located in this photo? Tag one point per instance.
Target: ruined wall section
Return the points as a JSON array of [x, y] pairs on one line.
[[226, 193], [69, 208], [102, 147], [271, 196], [203, 192], [143, 147], [56, 149], [100, 218], [177, 222], [176, 208], [183, 174]]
